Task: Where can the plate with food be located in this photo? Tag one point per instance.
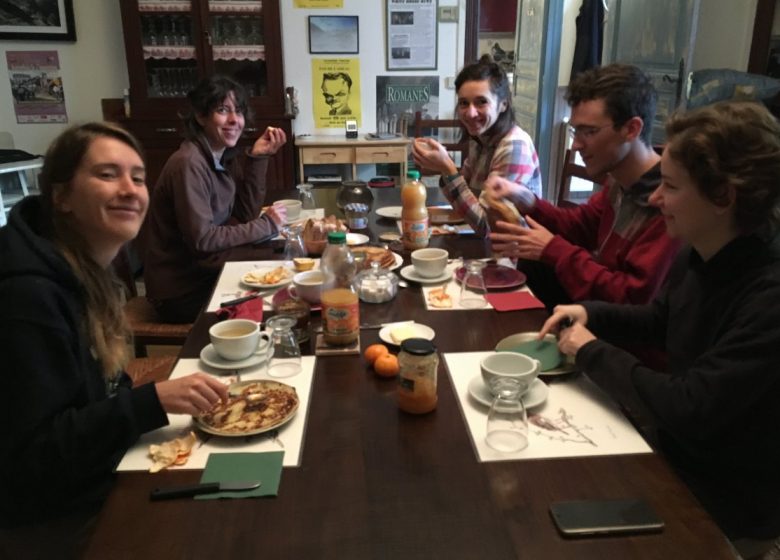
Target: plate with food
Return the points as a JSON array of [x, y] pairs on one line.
[[386, 258], [354, 239], [253, 407], [496, 276], [390, 212], [396, 333], [266, 278], [440, 215]]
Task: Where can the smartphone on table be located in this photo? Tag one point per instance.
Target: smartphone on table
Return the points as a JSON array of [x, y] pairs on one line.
[[595, 517]]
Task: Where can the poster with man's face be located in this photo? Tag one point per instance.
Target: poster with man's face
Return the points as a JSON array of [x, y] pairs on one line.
[[335, 91]]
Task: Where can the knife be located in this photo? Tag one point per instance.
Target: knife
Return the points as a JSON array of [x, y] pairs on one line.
[[202, 488], [239, 300]]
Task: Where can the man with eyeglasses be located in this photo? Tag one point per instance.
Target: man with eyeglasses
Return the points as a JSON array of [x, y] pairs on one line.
[[614, 247]]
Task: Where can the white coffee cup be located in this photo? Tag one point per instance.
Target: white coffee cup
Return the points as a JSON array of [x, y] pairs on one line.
[[509, 365], [430, 262], [237, 339], [293, 208], [308, 286]]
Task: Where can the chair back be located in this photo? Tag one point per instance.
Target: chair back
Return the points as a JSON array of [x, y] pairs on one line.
[[571, 170], [456, 142]]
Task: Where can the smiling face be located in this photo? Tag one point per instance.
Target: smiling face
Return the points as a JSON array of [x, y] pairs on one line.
[[478, 107], [107, 198], [223, 126], [601, 146]]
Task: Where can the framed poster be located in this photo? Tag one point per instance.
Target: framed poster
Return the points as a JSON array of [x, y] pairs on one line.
[[48, 20], [333, 35], [412, 40]]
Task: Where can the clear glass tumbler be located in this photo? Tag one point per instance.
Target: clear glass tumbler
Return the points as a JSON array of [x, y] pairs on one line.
[[507, 422], [293, 245], [472, 287], [285, 355], [307, 197]]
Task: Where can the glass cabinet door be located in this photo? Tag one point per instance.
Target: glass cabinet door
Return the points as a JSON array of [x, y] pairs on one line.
[[236, 32], [170, 61]]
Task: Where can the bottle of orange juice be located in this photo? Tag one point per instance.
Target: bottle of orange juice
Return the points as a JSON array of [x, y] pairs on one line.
[[340, 306], [414, 213]]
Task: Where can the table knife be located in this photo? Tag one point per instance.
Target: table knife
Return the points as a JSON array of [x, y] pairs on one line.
[[170, 492], [239, 300]]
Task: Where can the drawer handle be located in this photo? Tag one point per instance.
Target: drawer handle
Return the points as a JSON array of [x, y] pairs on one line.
[[386, 154], [165, 129], [331, 154]]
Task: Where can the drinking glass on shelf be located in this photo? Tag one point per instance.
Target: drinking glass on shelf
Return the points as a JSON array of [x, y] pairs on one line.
[[285, 355], [472, 287], [507, 422]]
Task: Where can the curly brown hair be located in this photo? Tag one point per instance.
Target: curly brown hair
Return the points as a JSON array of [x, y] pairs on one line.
[[732, 144]]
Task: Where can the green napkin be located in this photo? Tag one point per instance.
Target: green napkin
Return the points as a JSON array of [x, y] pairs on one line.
[[239, 467]]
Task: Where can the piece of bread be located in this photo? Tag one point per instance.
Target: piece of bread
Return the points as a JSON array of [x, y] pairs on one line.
[[499, 209]]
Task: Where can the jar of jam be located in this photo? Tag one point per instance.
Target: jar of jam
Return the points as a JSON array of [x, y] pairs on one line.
[[418, 363]]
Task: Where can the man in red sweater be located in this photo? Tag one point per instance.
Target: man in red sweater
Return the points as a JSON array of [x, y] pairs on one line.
[[614, 247]]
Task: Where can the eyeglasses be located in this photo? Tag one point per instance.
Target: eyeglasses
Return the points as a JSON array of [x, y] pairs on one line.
[[585, 132]]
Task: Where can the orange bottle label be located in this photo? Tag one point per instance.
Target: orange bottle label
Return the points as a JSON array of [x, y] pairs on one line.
[[416, 233]]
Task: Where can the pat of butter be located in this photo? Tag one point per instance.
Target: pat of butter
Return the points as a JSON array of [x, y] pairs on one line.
[[402, 332]]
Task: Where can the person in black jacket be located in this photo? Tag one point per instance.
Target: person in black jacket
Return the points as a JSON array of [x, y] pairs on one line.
[[714, 412], [68, 410]]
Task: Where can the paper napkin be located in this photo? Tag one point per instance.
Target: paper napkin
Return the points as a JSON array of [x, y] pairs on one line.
[[513, 301], [241, 467], [252, 309]]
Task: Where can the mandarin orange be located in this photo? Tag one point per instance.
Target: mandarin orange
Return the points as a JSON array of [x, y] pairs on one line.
[[386, 365], [374, 351]]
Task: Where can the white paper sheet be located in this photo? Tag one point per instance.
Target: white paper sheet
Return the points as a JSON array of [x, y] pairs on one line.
[[290, 435], [587, 422]]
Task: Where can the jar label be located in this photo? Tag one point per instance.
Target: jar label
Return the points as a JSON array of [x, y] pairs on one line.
[[341, 318], [406, 384], [416, 232]]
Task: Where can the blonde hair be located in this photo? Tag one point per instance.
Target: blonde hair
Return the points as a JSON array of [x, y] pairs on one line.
[[105, 324]]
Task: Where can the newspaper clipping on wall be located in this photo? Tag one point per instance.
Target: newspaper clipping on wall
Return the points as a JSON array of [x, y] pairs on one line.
[[411, 34], [335, 91], [36, 85], [398, 98]]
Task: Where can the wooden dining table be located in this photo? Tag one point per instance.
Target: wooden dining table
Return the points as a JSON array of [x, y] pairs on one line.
[[377, 483]]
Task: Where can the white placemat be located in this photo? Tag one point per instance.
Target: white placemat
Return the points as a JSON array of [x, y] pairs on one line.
[[290, 435], [229, 284], [577, 419]]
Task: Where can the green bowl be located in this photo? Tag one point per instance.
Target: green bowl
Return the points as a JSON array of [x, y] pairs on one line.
[[545, 350]]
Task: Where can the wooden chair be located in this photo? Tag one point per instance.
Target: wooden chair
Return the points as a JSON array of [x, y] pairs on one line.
[[430, 127], [144, 323], [150, 369], [569, 170]]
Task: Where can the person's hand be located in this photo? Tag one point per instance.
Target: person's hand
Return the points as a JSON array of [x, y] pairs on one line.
[[431, 156], [497, 186], [270, 142], [563, 317], [277, 213], [572, 339], [518, 242], [194, 394]]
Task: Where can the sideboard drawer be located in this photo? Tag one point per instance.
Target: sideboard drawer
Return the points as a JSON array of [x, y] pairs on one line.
[[327, 155], [380, 154]]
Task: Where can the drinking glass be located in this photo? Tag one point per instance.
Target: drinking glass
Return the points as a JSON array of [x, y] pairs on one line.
[[307, 197], [285, 358], [507, 423], [293, 245], [472, 287]]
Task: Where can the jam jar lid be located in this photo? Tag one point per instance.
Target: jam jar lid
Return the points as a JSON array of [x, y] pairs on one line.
[[418, 346], [376, 284]]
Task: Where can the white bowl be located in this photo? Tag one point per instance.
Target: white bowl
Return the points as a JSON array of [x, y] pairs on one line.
[[509, 365], [293, 208], [430, 262], [308, 285]]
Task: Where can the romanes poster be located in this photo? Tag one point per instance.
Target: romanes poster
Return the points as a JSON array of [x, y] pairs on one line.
[[399, 97], [335, 95]]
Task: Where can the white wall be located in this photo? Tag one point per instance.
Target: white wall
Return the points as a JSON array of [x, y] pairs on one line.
[[371, 13], [724, 34], [92, 68], [571, 9]]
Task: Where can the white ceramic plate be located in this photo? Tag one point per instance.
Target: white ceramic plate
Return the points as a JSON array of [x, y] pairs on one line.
[[210, 357], [399, 260], [409, 273], [420, 331], [392, 212], [506, 345], [356, 239], [536, 394], [266, 286]]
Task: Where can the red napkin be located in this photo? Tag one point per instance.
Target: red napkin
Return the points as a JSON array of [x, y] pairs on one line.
[[252, 309], [513, 301]]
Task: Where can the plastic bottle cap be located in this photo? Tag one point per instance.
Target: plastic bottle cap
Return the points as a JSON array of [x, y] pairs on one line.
[[418, 346], [413, 174], [337, 237]]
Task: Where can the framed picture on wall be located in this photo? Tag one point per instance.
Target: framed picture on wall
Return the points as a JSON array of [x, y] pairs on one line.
[[412, 40], [25, 20], [333, 35]]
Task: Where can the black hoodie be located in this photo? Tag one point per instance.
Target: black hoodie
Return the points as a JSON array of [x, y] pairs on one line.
[[63, 433]]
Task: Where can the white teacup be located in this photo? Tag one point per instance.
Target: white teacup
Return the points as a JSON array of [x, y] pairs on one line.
[[430, 262], [509, 365], [237, 339], [308, 286], [293, 208]]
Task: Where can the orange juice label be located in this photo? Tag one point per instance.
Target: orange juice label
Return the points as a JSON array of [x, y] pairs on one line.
[[416, 233], [341, 318]]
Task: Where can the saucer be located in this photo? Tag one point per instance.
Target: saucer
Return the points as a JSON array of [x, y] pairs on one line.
[[409, 273], [534, 396], [210, 357], [420, 331], [355, 239]]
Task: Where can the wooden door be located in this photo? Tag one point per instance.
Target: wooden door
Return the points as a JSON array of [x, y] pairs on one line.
[[658, 37]]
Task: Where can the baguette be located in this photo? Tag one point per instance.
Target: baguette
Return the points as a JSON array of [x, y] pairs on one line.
[[499, 209]]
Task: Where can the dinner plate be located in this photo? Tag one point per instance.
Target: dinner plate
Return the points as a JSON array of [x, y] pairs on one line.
[[392, 212], [420, 331], [266, 286], [284, 294], [356, 239], [534, 396], [440, 215], [409, 273], [235, 389], [507, 344], [210, 357], [496, 276]]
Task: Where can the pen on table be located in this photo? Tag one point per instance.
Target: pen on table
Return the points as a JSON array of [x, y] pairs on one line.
[[238, 300]]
